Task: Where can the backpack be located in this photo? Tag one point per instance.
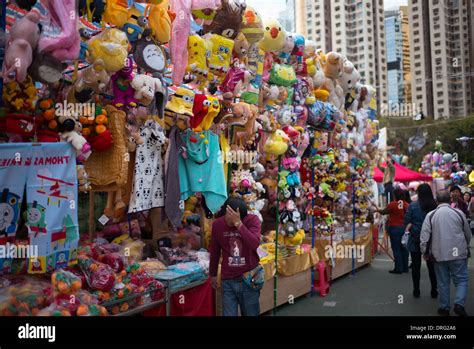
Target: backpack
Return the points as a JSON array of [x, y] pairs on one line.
[[160, 19]]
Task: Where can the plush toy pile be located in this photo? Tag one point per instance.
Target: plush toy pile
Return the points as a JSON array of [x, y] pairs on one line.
[[186, 103]]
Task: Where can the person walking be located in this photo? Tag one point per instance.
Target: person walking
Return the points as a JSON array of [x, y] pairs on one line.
[[445, 238], [414, 218], [396, 213], [388, 177], [236, 237], [457, 200]]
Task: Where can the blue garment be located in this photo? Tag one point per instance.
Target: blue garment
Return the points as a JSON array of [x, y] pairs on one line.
[[236, 292], [457, 270], [400, 253], [201, 170], [414, 215]]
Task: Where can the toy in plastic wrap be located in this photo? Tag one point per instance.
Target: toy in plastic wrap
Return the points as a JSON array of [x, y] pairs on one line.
[[252, 25], [65, 282], [221, 55], [197, 63], [274, 35], [111, 46], [282, 75], [25, 297], [99, 276], [228, 19]]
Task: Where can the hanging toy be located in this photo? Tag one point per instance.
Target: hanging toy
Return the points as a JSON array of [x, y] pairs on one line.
[[135, 24], [111, 46], [220, 57], [121, 85], [148, 55], [274, 36]]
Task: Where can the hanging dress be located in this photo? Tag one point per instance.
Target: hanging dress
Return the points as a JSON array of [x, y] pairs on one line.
[[148, 183]]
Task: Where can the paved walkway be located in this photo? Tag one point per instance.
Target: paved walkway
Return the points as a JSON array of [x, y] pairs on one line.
[[372, 291]]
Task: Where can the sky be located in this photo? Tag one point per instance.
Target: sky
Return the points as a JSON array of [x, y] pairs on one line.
[[272, 8]]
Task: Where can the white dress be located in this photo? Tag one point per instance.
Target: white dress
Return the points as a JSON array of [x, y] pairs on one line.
[[148, 182]]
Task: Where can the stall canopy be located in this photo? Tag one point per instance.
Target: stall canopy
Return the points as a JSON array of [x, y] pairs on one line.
[[402, 174]]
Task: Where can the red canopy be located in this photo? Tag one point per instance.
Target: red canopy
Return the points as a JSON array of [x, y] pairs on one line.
[[402, 174]]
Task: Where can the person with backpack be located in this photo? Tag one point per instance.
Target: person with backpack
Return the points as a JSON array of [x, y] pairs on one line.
[[445, 238], [396, 213], [414, 218]]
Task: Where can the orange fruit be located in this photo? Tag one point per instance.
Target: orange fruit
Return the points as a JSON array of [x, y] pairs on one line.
[[63, 287], [82, 310], [124, 307], [65, 312], [101, 119], [52, 124], [76, 285], [93, 267], [34, 311], [115, 310], [100, 129], [83, 120], [46, 103], [49, 114], [86, 131]]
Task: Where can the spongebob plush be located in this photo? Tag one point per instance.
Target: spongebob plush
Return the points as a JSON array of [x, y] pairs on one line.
[[213, 111], [197, 63], [220, 56]]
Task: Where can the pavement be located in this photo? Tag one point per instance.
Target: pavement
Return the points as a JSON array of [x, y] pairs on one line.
[[373, 291]]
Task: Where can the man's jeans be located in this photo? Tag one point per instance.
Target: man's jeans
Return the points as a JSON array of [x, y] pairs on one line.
[[389, 192], [457, 270], [236, 292]]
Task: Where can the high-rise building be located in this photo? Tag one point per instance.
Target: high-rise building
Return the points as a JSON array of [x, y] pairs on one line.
[[398, 61], [287, 17], [441, 56], [354, 28]]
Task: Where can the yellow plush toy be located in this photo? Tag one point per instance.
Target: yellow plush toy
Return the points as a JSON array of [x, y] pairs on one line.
[[274, 35], [277, 143], [220, 57], [213, 111], [197, 64], [111, 46], [181, 102]]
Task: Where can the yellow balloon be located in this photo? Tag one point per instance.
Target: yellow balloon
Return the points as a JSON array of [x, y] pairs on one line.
[[274, 36]]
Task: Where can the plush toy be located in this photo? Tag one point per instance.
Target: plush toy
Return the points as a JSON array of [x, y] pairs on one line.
[[46, 69], [197, 62], [220, 58], [61, 38], [286, 116], [148, 55], [93, 79], [228, 19], [252, 25], [116, 12], [277, 143], [135, 24], [241, 48], [146, 87], [24, 37], [213, 110], [333, 70], [274, 36], [162, 18], [111, 46], [181, 102], [21, 97], [121, 85], [286, 51], [282, 75], [200, 109], [83, 179], [80, 144], [349, 78]]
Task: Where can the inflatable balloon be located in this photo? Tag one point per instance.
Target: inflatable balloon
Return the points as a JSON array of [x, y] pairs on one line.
[[252, 25], [274, 35], [447, 157]]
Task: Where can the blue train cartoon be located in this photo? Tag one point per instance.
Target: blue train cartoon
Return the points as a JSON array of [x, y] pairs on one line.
[[10, 204]]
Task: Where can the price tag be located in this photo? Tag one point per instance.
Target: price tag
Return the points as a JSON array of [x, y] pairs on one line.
[[103, 219]]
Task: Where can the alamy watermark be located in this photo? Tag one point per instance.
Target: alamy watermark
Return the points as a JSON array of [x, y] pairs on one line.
[[395, 109], [345, 252], [9, 250], [75, 109]]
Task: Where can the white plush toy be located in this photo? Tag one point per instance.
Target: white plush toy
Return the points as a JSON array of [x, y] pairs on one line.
[[349, 78], [145, 87], [80, 144]]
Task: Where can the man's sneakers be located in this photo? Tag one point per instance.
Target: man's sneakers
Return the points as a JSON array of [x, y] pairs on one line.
[[443, 312], [459, 309]]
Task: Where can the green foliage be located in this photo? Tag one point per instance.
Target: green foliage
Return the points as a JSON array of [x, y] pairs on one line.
[[446, 131]]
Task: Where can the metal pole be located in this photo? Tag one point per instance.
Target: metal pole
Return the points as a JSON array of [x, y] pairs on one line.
[[312, 233], [353, 221], [277, 220]]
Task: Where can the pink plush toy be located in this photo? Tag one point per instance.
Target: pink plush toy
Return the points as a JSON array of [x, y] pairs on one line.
[[180, 33], [66, 44], [24, 37], [121, 85]]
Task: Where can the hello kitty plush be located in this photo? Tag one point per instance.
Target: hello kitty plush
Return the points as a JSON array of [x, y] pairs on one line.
[[333, 70]]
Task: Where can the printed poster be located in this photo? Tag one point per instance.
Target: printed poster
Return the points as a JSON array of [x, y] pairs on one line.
[[46, 174]]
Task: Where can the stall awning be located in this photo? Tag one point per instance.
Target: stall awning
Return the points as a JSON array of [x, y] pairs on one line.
[[402, 174]]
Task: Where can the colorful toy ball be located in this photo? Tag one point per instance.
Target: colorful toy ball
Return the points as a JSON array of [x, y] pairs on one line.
[[274, 35], [252, 25]]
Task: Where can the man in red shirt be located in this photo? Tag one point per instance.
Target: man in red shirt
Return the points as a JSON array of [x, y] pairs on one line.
[[235, 237], [396, 228]]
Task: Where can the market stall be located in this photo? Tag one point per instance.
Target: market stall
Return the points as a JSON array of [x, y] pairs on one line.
[[169, 108]]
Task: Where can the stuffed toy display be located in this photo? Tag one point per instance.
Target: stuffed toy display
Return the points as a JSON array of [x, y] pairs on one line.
[[175, 106]]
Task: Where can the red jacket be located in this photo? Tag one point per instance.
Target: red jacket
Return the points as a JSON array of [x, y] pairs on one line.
[[238, 247]]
